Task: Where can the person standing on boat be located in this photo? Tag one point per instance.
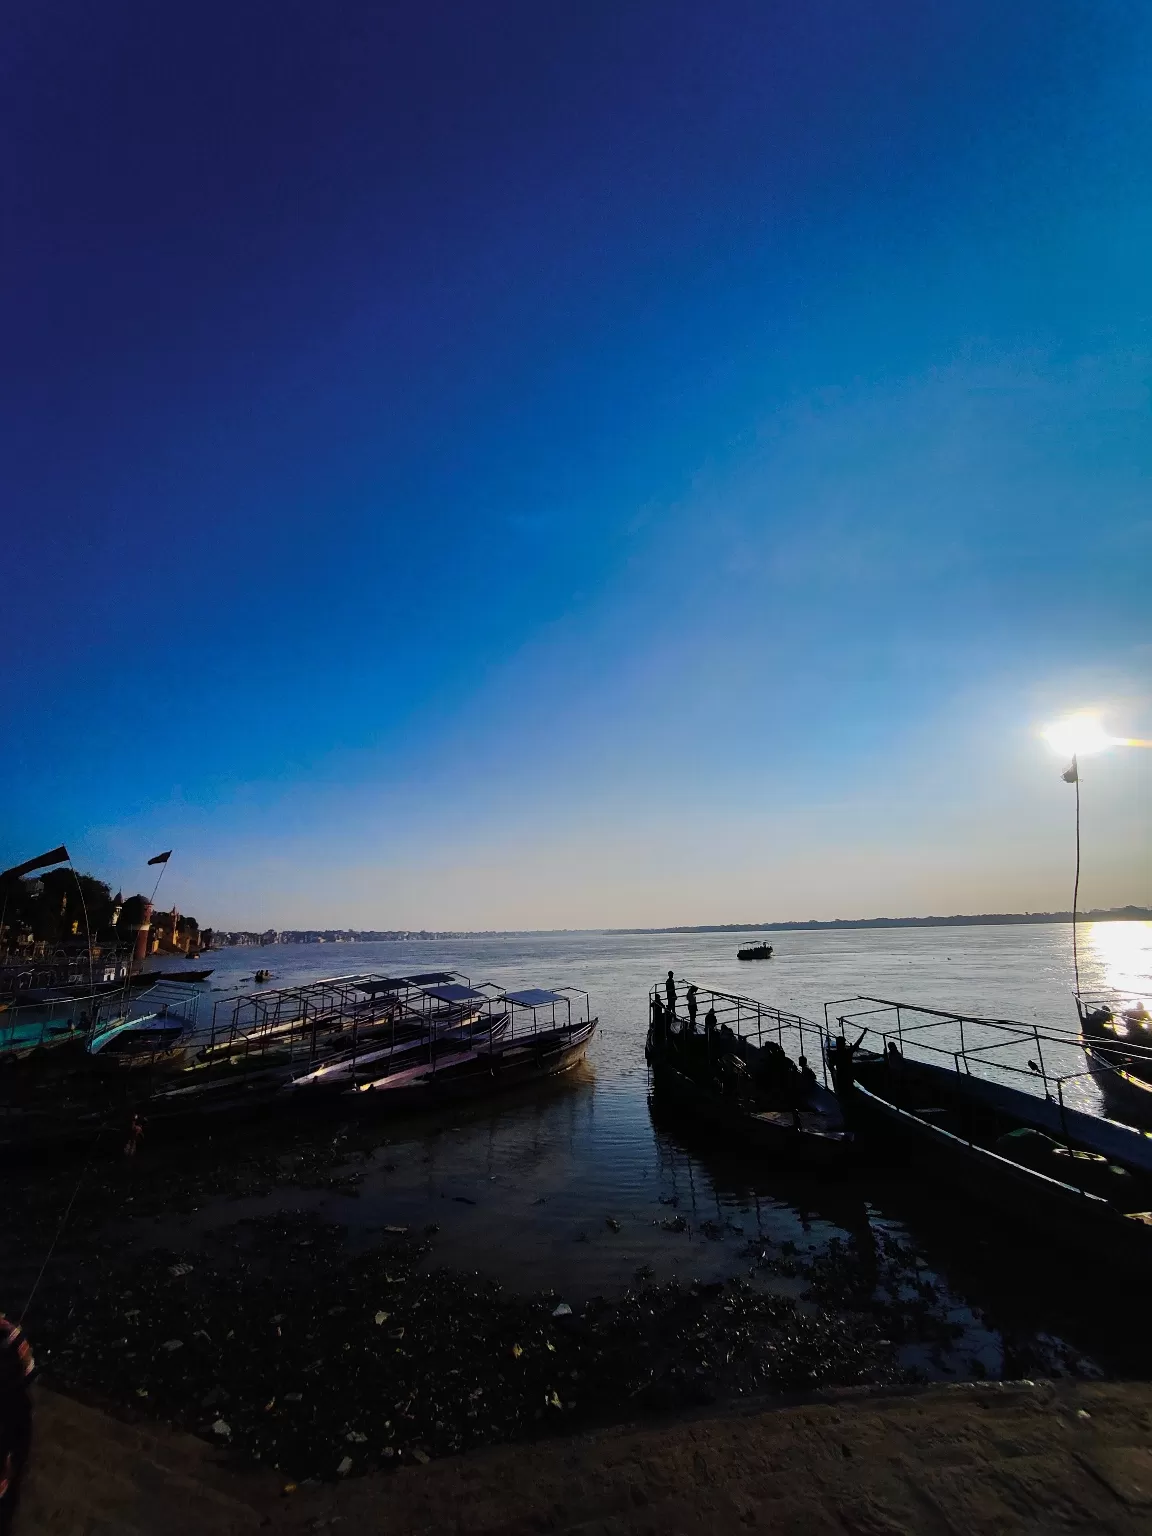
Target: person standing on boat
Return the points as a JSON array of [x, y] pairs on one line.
[[710, 1024], [691, 995], [16, 1367], [659, 1033], [842, 1062], [670, 991]]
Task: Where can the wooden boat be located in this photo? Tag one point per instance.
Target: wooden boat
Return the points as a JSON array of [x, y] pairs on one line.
[[737, 1079], [354, 1068], [452, 1053], [473, 1074], [760, 951], [1085, 1179], [152, 1040], [460, 1051], [1116, 1034], [814, 1135], [149, 978]]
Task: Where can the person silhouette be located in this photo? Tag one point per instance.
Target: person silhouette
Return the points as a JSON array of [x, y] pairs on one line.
[[658, 1030], [670, 991], [691, 996]]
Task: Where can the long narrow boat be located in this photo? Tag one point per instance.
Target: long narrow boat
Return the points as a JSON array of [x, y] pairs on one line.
[[510, 1063], [1086, 1180], [357, 1068], [735, 1077], [515, 1038]]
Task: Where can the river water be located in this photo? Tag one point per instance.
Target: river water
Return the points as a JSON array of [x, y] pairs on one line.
[[579, 1187]]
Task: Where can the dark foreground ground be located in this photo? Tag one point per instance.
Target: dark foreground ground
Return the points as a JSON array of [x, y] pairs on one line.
[[289, 1343], [960, 1461]]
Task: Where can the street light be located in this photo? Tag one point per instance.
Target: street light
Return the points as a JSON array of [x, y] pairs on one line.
[[1077, 736]]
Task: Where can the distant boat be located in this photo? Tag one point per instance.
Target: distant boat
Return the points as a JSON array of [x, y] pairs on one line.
[[146, 978], [754, 952]]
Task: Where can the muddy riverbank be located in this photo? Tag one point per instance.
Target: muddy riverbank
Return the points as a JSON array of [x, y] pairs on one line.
[[300, 1303]]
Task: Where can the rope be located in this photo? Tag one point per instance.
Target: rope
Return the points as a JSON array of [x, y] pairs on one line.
[[63, 1222]]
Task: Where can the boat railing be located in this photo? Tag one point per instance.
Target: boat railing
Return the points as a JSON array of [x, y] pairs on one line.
[[747, 1018], [34, 1025], [335, 1014], [907, 1025]]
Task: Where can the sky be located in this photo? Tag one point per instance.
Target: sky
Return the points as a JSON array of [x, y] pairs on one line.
[[526, 466]]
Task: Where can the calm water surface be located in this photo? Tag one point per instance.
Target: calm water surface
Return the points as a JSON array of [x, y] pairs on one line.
[[523, 1188]]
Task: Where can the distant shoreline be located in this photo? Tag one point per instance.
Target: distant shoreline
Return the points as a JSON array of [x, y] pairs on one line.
[[237, 938], [960, 920]]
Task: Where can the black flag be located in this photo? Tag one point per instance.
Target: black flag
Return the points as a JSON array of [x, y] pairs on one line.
[[161, 858], [1071, 775], [57, 856]]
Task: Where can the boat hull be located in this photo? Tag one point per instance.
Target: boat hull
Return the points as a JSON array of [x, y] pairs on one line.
[[1074, 1216], [487, 1072], [803, 1140]]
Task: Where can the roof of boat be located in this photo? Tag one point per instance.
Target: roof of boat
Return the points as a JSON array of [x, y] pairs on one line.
[[535, 997], [453, 993]]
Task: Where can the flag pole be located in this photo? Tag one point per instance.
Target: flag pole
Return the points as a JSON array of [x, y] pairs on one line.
[[1076, 891], [87, 934], [1071, 775]]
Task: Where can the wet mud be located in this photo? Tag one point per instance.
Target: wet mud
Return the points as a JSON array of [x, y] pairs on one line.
[[209, 1286]]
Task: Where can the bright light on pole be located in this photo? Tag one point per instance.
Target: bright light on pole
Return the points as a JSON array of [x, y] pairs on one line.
[[1079, 735], [1082, 735]]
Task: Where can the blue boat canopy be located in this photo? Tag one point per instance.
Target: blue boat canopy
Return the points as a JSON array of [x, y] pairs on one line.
[[397, 983], [535, 997], [453, 994]]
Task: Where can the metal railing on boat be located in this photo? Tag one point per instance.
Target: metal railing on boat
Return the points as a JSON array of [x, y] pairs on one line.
[[36, 1025], [910, 1024], [746, 1017], [337, 1015]]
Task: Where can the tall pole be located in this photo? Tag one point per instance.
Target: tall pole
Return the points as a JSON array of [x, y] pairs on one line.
[[1072, 776], [1076, 891]]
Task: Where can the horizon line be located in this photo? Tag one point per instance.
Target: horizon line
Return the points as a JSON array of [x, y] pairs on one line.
[[1129, 912]]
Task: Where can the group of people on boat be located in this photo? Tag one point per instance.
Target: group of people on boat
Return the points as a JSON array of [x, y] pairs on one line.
[[716, 1054]]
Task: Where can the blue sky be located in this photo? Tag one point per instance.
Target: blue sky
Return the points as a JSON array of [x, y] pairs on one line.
[[519, 465]]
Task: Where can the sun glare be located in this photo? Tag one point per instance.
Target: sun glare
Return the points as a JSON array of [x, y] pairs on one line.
[[1078, 736], [1123, 954]]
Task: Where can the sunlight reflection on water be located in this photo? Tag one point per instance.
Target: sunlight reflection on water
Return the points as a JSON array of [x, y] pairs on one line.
[[1119, 959]]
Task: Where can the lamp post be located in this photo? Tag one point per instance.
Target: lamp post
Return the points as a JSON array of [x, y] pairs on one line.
[[1077, 736]]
